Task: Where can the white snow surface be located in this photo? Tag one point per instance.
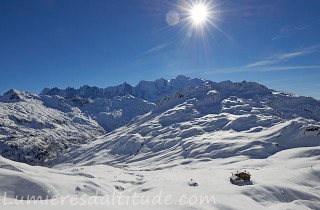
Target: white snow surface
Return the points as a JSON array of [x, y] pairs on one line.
[[286, 180], [198, 133]]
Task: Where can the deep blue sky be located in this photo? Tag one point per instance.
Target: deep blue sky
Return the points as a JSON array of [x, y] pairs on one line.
[[48, 43]]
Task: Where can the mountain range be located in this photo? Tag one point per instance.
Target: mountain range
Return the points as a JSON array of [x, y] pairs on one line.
[[151, 139], [36, 128]]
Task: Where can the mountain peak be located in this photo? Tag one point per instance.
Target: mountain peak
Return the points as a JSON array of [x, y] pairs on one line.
[[182, 77], [14, 95], [50, 91]]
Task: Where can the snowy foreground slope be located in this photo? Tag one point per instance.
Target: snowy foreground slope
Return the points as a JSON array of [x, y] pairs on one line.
[[286, 180], [196, 129]]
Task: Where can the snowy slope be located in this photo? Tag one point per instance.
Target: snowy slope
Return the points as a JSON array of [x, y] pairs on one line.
[[204, 123], [112, 113], [286, 180], [34, 129]]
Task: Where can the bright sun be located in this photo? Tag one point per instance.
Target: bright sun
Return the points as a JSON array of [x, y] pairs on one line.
[[199, 14], [196, 17]]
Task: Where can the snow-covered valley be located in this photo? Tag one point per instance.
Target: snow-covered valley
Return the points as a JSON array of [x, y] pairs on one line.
[[147, 142], [286, 180]]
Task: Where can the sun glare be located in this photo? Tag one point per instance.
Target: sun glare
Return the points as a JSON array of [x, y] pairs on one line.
[[196, 18], [199, 14]]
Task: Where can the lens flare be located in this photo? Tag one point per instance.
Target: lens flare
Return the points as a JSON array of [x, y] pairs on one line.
[[172, 18]]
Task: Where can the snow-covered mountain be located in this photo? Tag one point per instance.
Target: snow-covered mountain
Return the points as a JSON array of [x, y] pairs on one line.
[[159, 135], [113, 107], [35, 128], [210, 121]]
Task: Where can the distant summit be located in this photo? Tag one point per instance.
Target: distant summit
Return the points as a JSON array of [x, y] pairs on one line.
[[147, 90]]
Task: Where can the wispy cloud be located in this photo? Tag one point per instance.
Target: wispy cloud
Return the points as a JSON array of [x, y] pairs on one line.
[[287, 31], [287, 68], [154, 49], [280, 58], [259, 69], [285, 79], [274, 64]]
